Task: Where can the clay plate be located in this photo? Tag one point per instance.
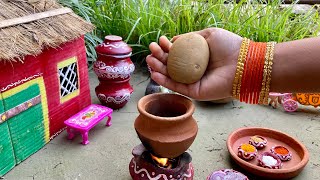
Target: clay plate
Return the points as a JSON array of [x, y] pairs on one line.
[[290, 169]]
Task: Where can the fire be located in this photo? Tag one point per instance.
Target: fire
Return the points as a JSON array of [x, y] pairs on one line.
[[163, 162]]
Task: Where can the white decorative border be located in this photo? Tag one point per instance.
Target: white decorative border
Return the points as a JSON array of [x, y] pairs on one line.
[[116, 100], [116, 46], [112, 72], [136, 171], [20, 82]]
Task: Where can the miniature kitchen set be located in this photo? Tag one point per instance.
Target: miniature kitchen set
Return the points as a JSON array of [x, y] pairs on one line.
[[165, 124], [166, 129]]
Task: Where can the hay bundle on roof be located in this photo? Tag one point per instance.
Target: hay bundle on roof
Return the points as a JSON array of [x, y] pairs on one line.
[[30, 38]]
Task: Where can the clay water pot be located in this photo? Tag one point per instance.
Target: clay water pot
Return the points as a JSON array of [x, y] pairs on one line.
[[165, 124]]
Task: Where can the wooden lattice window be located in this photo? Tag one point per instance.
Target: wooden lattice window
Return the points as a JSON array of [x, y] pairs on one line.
[[69, 79]]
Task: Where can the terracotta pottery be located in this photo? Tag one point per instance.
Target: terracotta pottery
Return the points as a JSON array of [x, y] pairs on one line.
[[113, 68], [289, 169], [165, 124]]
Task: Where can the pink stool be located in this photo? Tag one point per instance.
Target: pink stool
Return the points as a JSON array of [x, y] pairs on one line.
[[86, 119]]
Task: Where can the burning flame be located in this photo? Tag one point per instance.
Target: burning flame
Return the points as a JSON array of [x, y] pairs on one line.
[[164, 162]]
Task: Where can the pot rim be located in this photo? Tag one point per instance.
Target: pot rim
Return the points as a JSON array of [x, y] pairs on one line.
[[184, 100]]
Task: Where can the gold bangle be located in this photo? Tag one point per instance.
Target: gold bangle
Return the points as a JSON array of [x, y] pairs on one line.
[[240, 65], [270, 63], [265, 74]]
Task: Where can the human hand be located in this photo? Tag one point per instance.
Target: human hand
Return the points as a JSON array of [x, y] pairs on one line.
[[217, 81]]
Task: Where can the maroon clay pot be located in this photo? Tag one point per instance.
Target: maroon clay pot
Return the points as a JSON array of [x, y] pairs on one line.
[[114, 94], [113, 68], [165, 124]]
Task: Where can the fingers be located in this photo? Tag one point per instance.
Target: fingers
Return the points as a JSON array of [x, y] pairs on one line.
[[156, 65], [169, 83], [158, 52], [165, 44], [205, 33]]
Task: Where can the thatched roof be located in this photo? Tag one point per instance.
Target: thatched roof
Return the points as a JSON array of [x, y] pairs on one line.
[[17, 41]]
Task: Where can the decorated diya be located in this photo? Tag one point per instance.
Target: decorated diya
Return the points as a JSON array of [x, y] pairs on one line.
[[269, 160], [282, 152], [227, 174], [247, 151], [258, 141]]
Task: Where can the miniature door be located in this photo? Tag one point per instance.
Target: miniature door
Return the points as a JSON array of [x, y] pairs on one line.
[[6, 150], [27, 117]]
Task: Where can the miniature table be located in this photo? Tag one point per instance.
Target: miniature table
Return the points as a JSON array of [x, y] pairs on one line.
[[86, 119]]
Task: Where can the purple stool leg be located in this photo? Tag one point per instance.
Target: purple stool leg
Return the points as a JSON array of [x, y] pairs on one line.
[[70, 133], [85, 140], [109, 123]]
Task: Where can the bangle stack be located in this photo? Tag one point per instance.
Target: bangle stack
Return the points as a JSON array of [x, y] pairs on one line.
[[253, 74]]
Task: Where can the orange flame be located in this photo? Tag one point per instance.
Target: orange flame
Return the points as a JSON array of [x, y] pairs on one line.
[[164, 162]]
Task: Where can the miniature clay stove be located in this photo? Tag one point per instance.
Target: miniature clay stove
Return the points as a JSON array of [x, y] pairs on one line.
[[283, 153], [258, 141], [269, 160], [247, 152], [227, 174], [145, 166]]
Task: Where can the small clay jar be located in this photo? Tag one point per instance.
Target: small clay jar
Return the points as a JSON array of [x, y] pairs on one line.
[[165, 124]]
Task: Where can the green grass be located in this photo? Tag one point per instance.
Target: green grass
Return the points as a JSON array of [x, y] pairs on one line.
[[141, 22]]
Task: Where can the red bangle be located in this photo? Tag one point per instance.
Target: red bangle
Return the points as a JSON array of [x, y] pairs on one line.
[[244, 82], [255, 73], [260, 72], [252, 71]]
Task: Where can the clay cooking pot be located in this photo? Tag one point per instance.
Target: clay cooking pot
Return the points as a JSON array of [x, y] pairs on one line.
[[165, 124]]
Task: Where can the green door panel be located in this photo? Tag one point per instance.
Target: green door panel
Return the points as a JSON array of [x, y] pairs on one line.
[[27, 132], [26, 128], [7, 160]]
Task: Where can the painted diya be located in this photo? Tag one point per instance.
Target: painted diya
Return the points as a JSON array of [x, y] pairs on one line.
[[269, 160], [258, 141], [227, 174], [247, 151], [282, 152]]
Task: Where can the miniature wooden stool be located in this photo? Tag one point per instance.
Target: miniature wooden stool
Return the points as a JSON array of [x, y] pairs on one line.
[[86, 119]]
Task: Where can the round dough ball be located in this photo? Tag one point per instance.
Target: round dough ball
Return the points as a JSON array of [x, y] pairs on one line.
[[188, 58]]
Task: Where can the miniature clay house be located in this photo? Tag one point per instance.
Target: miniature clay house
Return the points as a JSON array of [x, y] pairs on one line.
[[43, 75]]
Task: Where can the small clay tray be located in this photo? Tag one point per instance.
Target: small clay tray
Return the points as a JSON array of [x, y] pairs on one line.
[[290, 169]]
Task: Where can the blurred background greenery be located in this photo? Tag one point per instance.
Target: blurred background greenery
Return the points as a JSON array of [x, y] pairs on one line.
[[141, 22]]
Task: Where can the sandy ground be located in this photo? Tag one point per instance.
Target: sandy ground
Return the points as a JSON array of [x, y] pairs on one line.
[[108, 155]]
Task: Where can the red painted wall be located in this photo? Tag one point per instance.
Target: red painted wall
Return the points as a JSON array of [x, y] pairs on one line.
[[46, 63]]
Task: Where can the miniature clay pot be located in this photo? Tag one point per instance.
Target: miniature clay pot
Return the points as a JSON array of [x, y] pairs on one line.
[[165, 124]]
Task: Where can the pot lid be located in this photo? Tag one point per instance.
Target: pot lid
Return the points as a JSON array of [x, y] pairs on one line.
[[113, 45]]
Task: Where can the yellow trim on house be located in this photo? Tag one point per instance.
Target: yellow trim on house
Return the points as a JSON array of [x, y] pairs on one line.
[[76, 92], [44, 101], [67, 62], [69, 96]]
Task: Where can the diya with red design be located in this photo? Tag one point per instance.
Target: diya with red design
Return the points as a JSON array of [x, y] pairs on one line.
[[227, 174], [258, 141], [282, 152], [269, 160], [166, 129], [247, 152]]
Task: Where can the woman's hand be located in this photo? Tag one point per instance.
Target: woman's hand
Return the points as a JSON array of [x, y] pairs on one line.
[[217, 81]]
